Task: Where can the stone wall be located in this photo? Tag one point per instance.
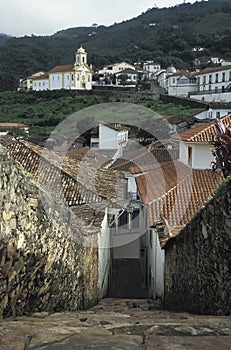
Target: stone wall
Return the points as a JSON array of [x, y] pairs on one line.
[[42, 266], [184, 101], [198, 278]]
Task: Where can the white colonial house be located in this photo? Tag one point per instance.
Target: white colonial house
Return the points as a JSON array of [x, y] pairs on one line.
[[115, 68], [213, 84], [127, 76], [162, 74], [194, 144], [214, 110], [161, 78], [27, 83], [181, 83], [111, 136], [150, 68], [77, 76]]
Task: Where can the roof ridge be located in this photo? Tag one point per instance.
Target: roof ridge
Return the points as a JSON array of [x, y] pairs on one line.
[[203, 130]]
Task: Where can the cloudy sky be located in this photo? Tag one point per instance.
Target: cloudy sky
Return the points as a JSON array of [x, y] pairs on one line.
[[45, 17]]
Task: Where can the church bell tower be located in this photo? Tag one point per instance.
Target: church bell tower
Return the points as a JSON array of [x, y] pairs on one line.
[[80, 57]]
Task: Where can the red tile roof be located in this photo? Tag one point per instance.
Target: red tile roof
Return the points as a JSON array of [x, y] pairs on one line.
[[127, 71], [41, 77], [157, 179], [13, 125], [213, 69], [183, 73], [62, 69], [203, 132], [175, 193]]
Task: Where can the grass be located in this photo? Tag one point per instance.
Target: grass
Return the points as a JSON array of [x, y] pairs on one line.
[[43, 111]]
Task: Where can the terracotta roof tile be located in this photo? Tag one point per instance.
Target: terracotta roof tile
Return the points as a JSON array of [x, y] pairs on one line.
[[61, 69], [203, 132], [156, 179], [175, 193], [183, 73], [41, 77], [213, 69], [127, 71], [85, 169], [13, 125]]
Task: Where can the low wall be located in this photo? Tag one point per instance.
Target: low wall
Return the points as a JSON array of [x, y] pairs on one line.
[[42, 267], [183, 101], [197, 270]]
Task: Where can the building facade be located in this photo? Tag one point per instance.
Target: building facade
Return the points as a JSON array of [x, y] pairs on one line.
[[181, 83], [150, 69], [77, 76], [213, 84]]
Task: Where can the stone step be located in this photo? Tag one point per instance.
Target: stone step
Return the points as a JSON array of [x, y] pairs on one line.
[[117, 324]]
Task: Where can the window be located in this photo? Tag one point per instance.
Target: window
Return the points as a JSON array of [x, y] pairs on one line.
[[223, 76], [230, 75], [216, 79], [210, 78], [68, 77], [216, 89], [44, 83], [89, 78], [173, 80], [77, 76], [189, 156], [218, 114], [72, 77], [150, 238], [209, 87], [83, 59], [204, 79]]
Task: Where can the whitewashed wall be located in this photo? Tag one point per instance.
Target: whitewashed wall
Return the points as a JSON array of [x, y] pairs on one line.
[[156, 259], [201, 156], [107, 137], [183, 154], [219, 97], [56, 81], [104, 256], [39, 85], [212, 113]]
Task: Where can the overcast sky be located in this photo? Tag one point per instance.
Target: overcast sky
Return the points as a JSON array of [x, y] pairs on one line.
[[45, 17]]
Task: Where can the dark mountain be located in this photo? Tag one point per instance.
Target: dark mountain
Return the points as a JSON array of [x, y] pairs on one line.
[[4, 38], [165, 35]]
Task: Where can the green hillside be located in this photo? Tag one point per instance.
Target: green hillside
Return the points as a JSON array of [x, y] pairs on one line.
[[45, 109], [165, 35]]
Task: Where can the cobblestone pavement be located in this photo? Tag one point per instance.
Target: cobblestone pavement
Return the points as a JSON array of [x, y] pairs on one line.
[[116, 324]]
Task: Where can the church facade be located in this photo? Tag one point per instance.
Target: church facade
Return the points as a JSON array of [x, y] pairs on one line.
[[77, 76]]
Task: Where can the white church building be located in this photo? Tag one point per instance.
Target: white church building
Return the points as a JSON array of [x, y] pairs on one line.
[[77, 76]]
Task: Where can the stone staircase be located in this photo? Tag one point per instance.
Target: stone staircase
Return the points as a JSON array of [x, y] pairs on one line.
[[116, 324]]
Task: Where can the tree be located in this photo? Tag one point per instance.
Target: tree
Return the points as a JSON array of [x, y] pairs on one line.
[[222, 148]]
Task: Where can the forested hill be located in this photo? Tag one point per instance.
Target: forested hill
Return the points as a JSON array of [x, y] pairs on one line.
[[165, 35]]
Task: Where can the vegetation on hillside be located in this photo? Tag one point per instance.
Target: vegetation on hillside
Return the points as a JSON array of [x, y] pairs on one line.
[[165, 35], [44, 110]]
